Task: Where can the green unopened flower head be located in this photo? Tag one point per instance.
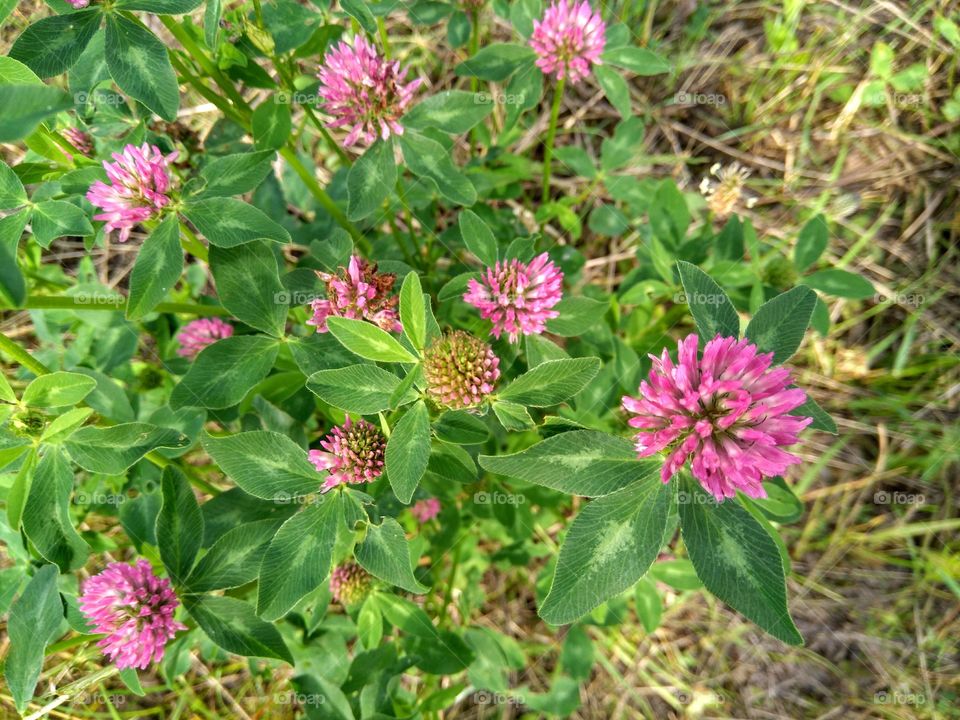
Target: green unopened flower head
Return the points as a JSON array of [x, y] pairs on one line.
[[780, 273], [461, 370], [150, 377], [29, 423], [350, 583]]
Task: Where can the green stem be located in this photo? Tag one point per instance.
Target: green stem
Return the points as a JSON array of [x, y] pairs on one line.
[[394, 228], [161, 462], [323, 198], [551, 134], [407, 218], [64, 144], [288, 152], [648, 23], [288, 79], [70, 643], [384, 40], [328, 138], [287, 71], [63, 302], [474, 44], [448, 593], [240, 112], [207, 93], [191, 243], [474, 82], [590, 188], [21, 356], [208, 66]]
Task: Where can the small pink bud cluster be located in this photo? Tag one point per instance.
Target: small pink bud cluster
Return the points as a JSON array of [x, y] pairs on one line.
[[79, 139], [425, 510], [352, 453], [198, 334], [349, 583]]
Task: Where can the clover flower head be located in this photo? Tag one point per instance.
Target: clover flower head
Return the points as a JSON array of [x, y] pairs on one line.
[[425, 510], [134, 609], [569, 39], [352, 453], [78, 138], [364, 91], [198, 334], [79, 5], [724, 193], [727, 412], [780, 272], [517, 297], [137, 191], [461, 370], [358, 292], [349, 583]]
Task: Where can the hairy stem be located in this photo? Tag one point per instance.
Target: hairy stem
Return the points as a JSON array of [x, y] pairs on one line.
[[474, 44], [287, 75], [191, 243], [323, 198], [448, 593], [21, 356], [647, 23], [207, 93], [341, 153], [551, 135], [208, 66], [384, 39], [407, 217]]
